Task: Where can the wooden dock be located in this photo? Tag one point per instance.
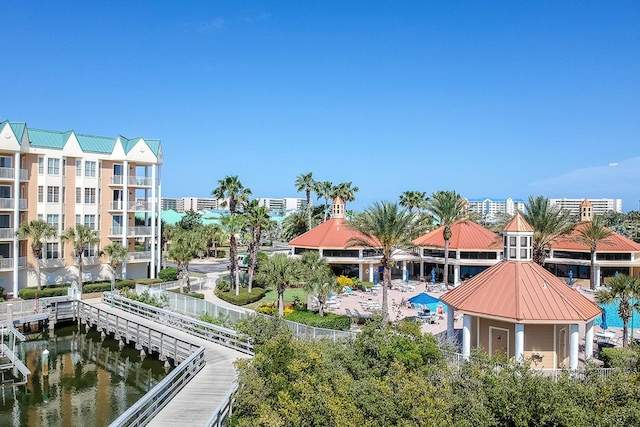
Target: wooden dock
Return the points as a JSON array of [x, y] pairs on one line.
[[195, 403]]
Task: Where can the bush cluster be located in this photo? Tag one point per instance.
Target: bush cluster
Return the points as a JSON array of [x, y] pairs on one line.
[[328, 321], [30, 293], [244, 298], [223, 286], [168, 274]]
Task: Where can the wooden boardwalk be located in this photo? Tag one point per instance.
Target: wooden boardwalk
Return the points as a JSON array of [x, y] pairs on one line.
[[195, 403]]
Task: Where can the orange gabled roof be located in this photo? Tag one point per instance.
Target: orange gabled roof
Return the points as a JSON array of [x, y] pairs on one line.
[[464, 235], [521, 291], [613, 243], [518, 223], [585, 203], [333, 233]]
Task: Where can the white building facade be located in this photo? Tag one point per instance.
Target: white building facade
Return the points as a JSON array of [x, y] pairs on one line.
[[490, 208], [600, 206]]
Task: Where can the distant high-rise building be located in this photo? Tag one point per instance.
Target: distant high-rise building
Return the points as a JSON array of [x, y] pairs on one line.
[[600, 206], [489, 208], [285, 204], [185, 204]]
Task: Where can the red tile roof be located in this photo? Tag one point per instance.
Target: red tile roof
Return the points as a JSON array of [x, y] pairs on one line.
[[613, 243], [464, 235], [518, 223], [333, 234], [521, 291]]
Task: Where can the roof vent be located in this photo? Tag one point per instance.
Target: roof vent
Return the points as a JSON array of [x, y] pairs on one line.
[[544, 285]]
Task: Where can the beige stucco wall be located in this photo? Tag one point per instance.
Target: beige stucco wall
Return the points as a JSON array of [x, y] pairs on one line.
[[539, 339], [485, 327]]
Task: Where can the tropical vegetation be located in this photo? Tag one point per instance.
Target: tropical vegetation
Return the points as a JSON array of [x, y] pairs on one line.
[[38, 232], [549, 223], [591, 233], [279, 272], [623, 291], [81, 238]]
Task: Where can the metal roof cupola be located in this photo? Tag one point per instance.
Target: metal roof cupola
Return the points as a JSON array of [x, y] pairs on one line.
[[518, 239], [337, 208]]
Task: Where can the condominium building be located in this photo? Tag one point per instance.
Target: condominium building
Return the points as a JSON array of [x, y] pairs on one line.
[[185, 204], [600, 206], [67, 178], [285, 204], [489, 208], [169, 204]]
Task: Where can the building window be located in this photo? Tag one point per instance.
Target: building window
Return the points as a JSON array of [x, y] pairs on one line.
[[90, 251], [52, 251], [64, 167], [64, 190], [62, 223], [5, 221], [40, 217], [53, 166], [5, 192], [90, 196], [5, 162], [53, 194], [78, 221], [54, 220], [78, 167], [90, 221], [78, 195], [40, 194], [40, 165], [90, 169]]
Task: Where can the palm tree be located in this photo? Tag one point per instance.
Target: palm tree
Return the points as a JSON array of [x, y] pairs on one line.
[[81, 237], [324, 189], [413, 199], [231, 187], [37, 232], [257, 221], [447, 207], [591, 233], [346, 192], [624, 290], [294, 225], [184, 247], [304, 182], [318, 279], [281, 272], [383, 225], [233, 225], [116, 253], [213, 235], [548, 222]]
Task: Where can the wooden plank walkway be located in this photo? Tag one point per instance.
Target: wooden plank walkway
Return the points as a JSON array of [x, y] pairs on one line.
[[195, 403]]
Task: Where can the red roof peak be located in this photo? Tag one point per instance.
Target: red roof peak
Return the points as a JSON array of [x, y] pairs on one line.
[[518, 224], [465, 234]]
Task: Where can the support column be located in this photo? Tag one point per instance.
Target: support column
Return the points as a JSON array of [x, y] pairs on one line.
[[421, 268], [371, 272], [360, 271], [450, 323], [597, 276], [153, 224], [466, 336], [159, 219], [456, 275], [573, 347], [588, 341], [16, 222], [519, 344], [404, 270], [125, 213]]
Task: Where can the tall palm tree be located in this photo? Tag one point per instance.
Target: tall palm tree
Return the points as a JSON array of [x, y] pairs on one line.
[[548, 222], [213, 235], [37, 232], [184, 247], [304, 182], [116, 253], [413, 199], [446, 207], [233, 225], [383, 225], [81, 237], [346, 191], [294, 225], [232, 188], [591, 233], [324, 189], [257, 221], [281, 272], [624, 290], [318, 279]]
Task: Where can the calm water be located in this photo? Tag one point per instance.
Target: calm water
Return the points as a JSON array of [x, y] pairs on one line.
[[613, 320], [90, 383]]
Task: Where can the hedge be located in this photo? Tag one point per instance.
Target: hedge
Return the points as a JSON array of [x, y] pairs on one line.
[[191, 294], [30, 293], [244, 298], [328, 321]]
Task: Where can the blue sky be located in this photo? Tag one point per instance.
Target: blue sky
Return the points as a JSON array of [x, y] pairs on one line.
[[497, 99]]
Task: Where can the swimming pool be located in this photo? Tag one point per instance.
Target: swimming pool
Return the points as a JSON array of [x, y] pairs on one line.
[[613, 320]]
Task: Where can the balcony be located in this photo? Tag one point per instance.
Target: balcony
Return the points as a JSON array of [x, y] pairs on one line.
[[9, 203], [52, 263], [132, 206], [115, 231], [116, 205], [7, 263], [7, 233], [116, 180], [139, 256], [10, 173], [133, 181]]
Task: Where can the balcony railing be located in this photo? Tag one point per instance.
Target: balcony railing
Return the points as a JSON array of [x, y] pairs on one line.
[[115, 231], [7, 173], [7, 233], [7, 263], [23, 204], [140, 181], [117, 180], [116, 205], [9, 203], [139, 256], [136, 206], [24, 175], [139, 231]]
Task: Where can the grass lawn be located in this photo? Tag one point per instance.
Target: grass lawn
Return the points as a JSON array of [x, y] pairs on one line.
[[272, 296]]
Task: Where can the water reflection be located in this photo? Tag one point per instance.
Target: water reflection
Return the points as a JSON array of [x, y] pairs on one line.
[[91, 381]]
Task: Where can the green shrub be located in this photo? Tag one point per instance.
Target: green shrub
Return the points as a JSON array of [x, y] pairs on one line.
[[223, 285], [125, 284], [97, 287], [328, 321], [147, 281], [191, 294], [362, 285], [168, 274], [270, 309], [30, 293], [146, 298], [244, 298], [221, 320]]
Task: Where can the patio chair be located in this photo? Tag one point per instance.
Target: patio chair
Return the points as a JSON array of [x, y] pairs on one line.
[[350, 291]]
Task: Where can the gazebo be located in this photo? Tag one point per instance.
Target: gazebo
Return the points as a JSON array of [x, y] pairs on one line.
[[519, 309]]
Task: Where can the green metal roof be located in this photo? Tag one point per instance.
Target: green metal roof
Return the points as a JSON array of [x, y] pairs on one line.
[[18, 130], [96, 144], [127, 144], [48, 138], [154, 144]]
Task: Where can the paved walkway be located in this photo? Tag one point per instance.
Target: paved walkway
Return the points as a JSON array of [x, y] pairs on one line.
[[195, 403]]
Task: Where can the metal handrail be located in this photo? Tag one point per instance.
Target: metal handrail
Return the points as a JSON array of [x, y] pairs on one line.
[[218, 334], [141, 412], [223, 410]]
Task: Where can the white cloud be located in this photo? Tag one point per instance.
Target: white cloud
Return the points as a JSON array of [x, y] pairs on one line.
[[615, 179]]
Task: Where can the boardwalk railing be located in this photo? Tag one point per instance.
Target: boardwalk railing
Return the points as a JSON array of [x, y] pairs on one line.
[[223, 410], [218, 334], [151, 403]]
